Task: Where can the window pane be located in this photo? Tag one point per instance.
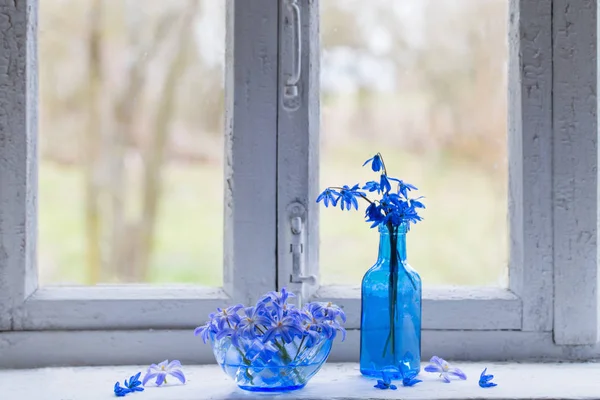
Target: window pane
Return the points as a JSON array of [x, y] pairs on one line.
[[131, 141], [423, 82]]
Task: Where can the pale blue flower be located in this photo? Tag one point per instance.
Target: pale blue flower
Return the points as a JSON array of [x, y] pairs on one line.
[[163, 369], [444, 368], [286, 327], [279, 298], [226, 317]]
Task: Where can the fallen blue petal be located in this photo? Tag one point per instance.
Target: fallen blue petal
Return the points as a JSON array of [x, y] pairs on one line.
[[385, 382], [487, 384], [130, 385], [485, 380]]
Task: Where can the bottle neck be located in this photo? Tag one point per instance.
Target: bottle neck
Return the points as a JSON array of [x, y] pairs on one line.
[[388, 239]]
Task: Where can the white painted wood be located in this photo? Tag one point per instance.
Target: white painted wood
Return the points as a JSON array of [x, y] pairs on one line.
[[251, 149], [461, 307], [29, 349], [18, 166], [298, 143], [575, 172], [119, 307], [334, 381], [530, 160]]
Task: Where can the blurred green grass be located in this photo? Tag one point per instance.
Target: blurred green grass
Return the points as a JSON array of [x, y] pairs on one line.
[[189, 233], [462, 240]]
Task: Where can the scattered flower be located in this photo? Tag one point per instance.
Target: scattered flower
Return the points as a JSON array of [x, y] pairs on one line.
[[485, 381], [443, 367], [161, 371], [410, 379], [385, 382], [129, 387]]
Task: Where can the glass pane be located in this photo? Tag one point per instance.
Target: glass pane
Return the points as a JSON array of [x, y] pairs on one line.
[[131, 139], [423, 82]]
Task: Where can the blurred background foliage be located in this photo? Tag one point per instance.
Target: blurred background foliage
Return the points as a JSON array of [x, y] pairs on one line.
[[131, 136]]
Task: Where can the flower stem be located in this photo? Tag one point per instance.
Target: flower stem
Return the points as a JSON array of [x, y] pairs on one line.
[[299, 348], [247, 362], [364, 196], [391, 339]]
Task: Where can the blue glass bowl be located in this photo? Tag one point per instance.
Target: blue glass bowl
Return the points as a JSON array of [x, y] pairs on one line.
[[271, 367]]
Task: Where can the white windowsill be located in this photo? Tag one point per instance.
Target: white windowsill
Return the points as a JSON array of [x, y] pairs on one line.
[[334, 381]]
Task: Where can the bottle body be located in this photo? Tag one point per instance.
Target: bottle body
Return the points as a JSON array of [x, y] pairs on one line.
[[391, 310]]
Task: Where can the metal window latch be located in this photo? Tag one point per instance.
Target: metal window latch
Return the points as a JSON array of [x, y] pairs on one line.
[[297, 217], [291, 95]]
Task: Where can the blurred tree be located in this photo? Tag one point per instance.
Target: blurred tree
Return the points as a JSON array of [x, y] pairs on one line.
[[154, 158], [93, 143], [124, 235]]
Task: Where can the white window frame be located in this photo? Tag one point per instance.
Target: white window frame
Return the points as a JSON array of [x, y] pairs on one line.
[[549, 311]]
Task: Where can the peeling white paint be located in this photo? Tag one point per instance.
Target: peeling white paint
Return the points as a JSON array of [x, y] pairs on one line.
[[18, 155], [250, 149], [575, 172]]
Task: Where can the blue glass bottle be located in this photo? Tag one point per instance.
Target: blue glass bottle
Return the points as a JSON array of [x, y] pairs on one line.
[[390, 333]]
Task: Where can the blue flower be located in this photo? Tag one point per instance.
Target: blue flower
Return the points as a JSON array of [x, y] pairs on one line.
[[485, 381], [415, 203], [129, 387], [334, 327], [320, 319], [233, 333], [404, 187], [205, 331], [348, 196], [286, 327], [443, 367], [384, 184], [279, 298], [376, 162], [226, 316], [374, 214], [329, 311], [410, 379], [163, 369], [253, 317], [385, 382], [329, 195], [372, 186], [392, 209]]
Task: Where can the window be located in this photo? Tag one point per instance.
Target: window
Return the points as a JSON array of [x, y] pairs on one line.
[[271, 167], [130, 163]]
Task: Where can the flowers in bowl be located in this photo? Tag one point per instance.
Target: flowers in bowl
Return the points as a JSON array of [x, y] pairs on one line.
[[273, 345]]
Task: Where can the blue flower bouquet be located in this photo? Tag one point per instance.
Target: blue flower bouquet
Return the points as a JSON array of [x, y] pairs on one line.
[[274, 345]]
